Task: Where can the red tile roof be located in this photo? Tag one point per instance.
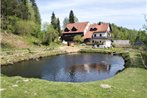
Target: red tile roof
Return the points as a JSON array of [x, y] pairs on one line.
[[79, 26], [102, 27], [89, 33], [99, 28]]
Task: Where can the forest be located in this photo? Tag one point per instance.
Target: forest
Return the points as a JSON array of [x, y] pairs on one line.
[[20, 17], [123, 33]]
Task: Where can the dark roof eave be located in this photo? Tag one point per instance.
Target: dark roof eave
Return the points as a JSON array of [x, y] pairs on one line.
[[102, 38], [71, 32]]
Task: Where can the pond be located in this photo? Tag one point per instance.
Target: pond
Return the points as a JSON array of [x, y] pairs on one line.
[[68, 68]]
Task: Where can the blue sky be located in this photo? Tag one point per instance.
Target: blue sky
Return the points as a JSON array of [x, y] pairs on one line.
[[126, 13]]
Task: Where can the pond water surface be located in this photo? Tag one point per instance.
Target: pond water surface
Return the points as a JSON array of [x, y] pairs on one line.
[[68, 68]]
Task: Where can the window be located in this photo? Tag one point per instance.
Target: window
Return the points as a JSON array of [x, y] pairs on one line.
[[74, 29], [100, 35], [93, 29], [66, 30], [94, 35]]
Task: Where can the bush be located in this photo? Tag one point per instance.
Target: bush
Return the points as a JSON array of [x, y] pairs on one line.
[[25, 27], [51, 35], [78, 39], [113, 45], [9, 24]]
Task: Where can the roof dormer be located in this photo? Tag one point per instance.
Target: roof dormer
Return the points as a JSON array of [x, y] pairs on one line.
[[93, 29], [66, 30], [74, 29]]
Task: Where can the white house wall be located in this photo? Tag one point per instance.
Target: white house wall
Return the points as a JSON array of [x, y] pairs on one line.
[[86, 28], [103, 34], [108, 30], [108, 43]]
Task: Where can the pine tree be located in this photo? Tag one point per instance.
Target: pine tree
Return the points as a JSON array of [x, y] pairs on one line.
[[27, 11], [58, 26], [54, 20], [71, 17], [37, 15], [37, 18], [16, 11]]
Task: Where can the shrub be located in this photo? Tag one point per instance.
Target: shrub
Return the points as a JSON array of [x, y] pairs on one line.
[[25, 27], [51, 35], [78, 39]]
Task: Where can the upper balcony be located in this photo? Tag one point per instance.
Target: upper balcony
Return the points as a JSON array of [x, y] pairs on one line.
[[101, 37]]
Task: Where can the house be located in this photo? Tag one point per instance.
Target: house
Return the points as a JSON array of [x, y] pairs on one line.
[[97, 34], [101, 36], [73, 29], [88, 36]]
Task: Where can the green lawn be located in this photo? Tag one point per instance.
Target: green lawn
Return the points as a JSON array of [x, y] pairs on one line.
[[130, 83], [144, 54]]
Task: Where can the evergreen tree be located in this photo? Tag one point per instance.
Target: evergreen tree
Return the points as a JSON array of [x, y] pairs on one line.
[[54, 20], [119, 33], [37, 15], [27, 10], [9, 8], [71, 17], [66, 21], [13, 11], [37, 18], [58, 26]]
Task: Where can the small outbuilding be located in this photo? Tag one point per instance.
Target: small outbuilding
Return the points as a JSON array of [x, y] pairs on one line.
[[122, 43]]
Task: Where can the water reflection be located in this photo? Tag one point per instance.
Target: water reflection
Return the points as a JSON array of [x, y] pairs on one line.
[[68, 68], [102, 66], [87, 68]]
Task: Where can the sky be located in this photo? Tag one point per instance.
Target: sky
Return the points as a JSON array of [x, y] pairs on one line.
[[126, 13]]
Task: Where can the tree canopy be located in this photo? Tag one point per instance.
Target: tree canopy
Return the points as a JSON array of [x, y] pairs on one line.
[[72, 17], [128, 34], [14, 12], [55, 22]]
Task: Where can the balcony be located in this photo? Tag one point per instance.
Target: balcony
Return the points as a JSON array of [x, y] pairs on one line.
[[101, 37]]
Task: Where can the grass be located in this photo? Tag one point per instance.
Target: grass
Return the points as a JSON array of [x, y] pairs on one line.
[[10, 57], [6, 46], [10, 41], [144, 54], [130, 83], [31, 40]]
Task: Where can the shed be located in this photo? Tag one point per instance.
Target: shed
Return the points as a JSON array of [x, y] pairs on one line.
[[122, 43]]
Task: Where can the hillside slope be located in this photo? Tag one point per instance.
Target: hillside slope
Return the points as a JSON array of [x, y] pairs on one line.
[[9, 41]]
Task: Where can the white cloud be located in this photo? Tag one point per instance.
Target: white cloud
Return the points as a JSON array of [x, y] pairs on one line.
[[116, 11], [70, 3]]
